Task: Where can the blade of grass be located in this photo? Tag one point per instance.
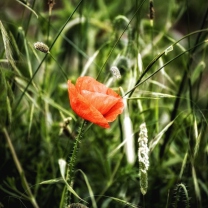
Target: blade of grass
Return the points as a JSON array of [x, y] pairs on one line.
[[112, 49], [44, 58], [25, 5], [141, 82], [20, 170], [94, 205]]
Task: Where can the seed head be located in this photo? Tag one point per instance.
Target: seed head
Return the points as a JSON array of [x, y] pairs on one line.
[[115, 71], [143, 148], [77, 205], [143, 158], [152, 12], [41, 47]]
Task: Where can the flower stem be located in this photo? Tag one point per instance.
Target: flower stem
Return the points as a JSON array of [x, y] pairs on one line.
[[20, 170], [70, 165]]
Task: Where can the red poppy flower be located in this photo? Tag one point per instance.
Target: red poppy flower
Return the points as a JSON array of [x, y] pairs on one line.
[[94, 102]]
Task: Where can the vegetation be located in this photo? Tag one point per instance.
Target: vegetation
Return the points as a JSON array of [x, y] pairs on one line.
[[154, 154]]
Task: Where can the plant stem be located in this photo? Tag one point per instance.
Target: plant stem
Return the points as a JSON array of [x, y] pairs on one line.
[[71, 164], [20, 169]]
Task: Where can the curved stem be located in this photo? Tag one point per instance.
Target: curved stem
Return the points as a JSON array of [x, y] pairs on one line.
[[139, 82]]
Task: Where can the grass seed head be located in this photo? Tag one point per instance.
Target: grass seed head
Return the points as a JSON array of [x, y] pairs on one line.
[[77, 205], [115, 72], [41, 47]]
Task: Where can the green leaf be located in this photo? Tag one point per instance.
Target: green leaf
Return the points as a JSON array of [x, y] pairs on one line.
[[62, 166], [3, 99], [52, 181]]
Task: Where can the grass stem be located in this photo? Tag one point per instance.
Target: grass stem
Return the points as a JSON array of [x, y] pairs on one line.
[[20, 169]]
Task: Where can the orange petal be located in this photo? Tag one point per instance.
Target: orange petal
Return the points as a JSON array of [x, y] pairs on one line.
[[117, 109], [84, 109], [90, 84], [111, 92], [102, 102]]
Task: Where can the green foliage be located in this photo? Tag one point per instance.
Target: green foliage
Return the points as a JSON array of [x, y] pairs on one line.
[[6, 99], [163, 67], [181, 195]]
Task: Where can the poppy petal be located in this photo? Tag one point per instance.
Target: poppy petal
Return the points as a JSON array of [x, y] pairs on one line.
[[102, 102], [84, 108], [112, 93], [90, 84], [117, 109]]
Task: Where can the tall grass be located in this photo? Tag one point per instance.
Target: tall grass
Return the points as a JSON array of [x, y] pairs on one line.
[[160, 50]]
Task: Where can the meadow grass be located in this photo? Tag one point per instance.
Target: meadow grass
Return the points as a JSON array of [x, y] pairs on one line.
[[154, 154]]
